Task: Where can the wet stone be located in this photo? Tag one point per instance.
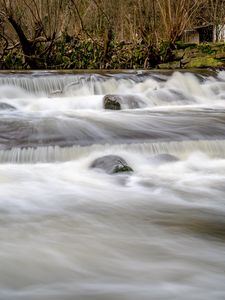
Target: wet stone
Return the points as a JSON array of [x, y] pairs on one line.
[[112, 102], [56, 93], [117, 102], [6, 106], [111, 164]]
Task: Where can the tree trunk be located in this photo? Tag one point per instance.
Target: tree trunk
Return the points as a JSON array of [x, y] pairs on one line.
[[28, 47]]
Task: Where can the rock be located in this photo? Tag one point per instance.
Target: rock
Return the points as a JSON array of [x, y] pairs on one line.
[[170, 65], [5, 106], [117, 102], [204, 62], [178, 54], [185, 61], [111, 164], [220, 56], [56, 93], [112, 102]]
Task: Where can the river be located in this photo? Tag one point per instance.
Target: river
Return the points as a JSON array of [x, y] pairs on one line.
[[69, 231]]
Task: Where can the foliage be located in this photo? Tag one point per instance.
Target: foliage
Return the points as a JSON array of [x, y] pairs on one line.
[[40, 34]]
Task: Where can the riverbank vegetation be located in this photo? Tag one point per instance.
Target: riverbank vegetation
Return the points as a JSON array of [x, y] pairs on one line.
[[106, 34]]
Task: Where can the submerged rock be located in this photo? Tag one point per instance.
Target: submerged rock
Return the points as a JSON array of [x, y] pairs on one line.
[[111, 164], [117, 102], [6, 106], [56, 93], [164, 158]]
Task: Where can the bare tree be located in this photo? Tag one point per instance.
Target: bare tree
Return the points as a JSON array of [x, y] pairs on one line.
[[36, 24], [38, 27], [176, 16], [214, 14]]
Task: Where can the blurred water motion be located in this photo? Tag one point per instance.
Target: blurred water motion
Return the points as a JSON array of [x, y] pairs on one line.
[[71, 232]]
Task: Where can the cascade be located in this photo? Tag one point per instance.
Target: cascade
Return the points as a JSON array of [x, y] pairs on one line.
[[70, 231]]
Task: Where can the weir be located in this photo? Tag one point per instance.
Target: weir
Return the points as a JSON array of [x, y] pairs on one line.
[[155, 89], [50, 83], [213, 148]]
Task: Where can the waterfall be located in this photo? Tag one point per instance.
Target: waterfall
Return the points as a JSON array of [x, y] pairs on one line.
[[213, 148]]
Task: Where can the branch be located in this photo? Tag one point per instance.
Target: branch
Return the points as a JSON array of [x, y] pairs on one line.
[[82, 24], [6, 45], [103, 12]]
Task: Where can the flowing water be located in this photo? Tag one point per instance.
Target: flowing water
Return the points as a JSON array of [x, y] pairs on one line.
[[68, 231]]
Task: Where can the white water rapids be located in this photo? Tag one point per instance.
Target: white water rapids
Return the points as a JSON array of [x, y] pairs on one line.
[[70, 232]]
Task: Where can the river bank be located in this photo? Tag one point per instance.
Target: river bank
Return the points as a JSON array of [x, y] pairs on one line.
[[93, 55], [189, 56]]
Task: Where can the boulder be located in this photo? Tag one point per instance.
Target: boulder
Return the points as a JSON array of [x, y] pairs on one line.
[[112, 102], [170, 65], [117, 102], [5, 106], [204, 62], [111, 164]]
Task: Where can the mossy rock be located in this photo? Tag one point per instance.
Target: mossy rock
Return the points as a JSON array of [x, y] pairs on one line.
[[170, 65], [220, 56], [121, 169], [193, 53], [6, 106], [178, 54], [126, 101], [204, 62], [182, 45], [111, 164], [111, 102], [219, 48]]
